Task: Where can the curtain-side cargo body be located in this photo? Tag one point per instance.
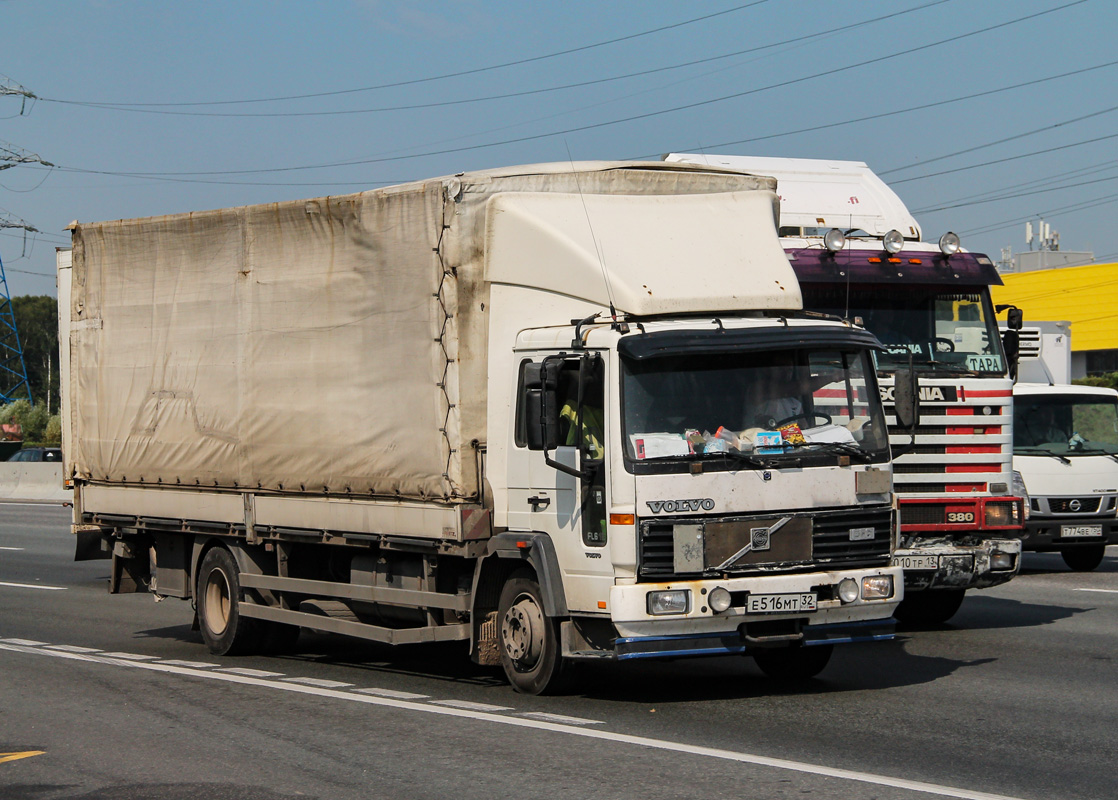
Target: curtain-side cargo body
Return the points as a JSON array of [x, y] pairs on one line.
[[558, 412]]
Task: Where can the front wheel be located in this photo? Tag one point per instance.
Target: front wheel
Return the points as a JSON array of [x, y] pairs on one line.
[[929, 607], [219, 597], [528, 638], [794, 663], [1084, 559]]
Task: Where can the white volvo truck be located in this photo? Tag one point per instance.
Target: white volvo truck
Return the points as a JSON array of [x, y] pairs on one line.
[[858, 253], [530, 409]]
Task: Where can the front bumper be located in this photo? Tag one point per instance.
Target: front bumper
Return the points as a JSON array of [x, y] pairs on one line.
[[702, 631], [1046, 533], [944, 563]]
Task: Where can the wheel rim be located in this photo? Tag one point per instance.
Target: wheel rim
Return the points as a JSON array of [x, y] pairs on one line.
[[218, 602], [522, 631]]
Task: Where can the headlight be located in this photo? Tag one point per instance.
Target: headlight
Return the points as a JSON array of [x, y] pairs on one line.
[[835, 240], [877, 587], [949, 243], [1001, 561], [673, 601], [848, 590], [719, 599], [893, 242], [1001, 515]]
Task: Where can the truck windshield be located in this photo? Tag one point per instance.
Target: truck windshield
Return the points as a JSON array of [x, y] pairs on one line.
[[756, 408], [1065, 425], [944, 330]]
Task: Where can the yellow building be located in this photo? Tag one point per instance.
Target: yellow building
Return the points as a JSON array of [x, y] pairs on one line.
[[1087, 297]]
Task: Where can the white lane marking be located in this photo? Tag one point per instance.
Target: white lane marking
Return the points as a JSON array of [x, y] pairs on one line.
[[1105, 591], [521, 722], [73, 648], [466, 705], [395, 695], [11, 548], [188, 664], [130, 656], [320, 682], [560, 718], [34, 586], [24, 642], [251, 673]]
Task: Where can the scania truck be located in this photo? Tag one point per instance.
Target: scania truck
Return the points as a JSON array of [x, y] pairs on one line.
[[859, 253], [554, 412]]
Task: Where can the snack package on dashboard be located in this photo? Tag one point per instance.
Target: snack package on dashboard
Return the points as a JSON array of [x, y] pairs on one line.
[[792, 434]]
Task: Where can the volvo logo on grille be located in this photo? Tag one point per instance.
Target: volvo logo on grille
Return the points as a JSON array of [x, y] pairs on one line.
[[673, 506], [1075, 505]]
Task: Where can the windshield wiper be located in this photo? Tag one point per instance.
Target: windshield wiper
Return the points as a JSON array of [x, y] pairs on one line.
[[845, 448], [1094, 451], [1040, 451], [755, 461]]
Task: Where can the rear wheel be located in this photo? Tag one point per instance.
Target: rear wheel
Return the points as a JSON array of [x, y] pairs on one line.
[[930, 607], [1085, 558], [219, 596], [528, 639], [794, 663]]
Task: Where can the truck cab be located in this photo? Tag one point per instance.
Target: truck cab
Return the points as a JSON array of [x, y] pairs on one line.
[[859, 255]]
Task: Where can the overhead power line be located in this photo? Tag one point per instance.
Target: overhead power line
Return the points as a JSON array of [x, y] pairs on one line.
[[594, 126], [894, 112], [431, 78], [800, 39]]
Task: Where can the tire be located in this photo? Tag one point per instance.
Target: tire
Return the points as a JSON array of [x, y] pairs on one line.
[[1085, 558], [527, 639], [930, 606], [219, 596], [794, 663]]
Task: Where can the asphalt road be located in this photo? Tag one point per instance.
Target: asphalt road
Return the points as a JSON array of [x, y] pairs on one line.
[[116, 698]]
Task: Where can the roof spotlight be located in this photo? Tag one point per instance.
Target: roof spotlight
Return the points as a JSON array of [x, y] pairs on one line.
[[893, 241], [834, 240], [949, 243]]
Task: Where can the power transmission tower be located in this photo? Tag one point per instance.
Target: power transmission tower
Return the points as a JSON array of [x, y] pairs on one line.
[[13, 371]]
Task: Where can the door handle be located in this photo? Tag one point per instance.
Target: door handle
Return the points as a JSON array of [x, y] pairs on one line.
[[539, 502]]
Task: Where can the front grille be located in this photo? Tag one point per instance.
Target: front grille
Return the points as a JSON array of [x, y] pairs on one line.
[[923, 514], [1062, 505], [912, 469], [831, 545]]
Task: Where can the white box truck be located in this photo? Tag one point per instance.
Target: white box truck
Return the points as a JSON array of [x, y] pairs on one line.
[[857, 252], [532, 409]]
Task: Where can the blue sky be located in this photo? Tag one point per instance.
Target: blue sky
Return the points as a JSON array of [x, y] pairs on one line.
[[140, 105]]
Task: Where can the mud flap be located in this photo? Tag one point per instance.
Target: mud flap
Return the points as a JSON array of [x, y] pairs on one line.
[[87, 543]]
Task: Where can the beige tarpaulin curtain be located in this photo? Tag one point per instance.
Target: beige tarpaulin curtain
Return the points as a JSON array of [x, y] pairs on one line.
[[333, 346]]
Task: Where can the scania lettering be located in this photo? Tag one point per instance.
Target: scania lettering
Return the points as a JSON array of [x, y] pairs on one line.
[[858, 254], [539, 410]]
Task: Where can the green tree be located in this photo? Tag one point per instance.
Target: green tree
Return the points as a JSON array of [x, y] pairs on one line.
[[37, 323], [1109, 380], [33, 421]]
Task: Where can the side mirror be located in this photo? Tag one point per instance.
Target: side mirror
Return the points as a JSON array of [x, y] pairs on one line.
[[1015, 319], [1011, 343], [906, 399], [541, 404]]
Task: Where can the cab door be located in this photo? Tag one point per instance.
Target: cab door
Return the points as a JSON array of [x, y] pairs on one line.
[[559, 488]]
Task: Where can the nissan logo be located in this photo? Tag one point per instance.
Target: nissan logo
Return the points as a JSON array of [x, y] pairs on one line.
[[1075, 505]]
